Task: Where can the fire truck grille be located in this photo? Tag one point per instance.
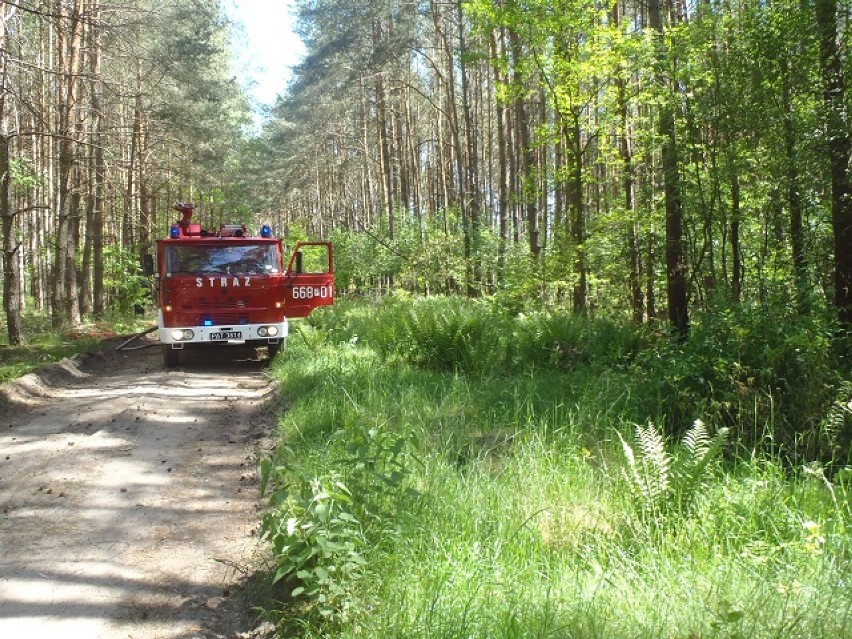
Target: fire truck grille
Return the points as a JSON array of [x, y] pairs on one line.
[[228, 303], [224, 318]]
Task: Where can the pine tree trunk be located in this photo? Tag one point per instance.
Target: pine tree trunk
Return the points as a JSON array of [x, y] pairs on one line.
[[8, 218], [471, 176], [839, 144], [502, 160], [736, 252], [627, 186], [8, 231], [524, 153], [794, 198], [65, 274], [676, 291], [577, 210]]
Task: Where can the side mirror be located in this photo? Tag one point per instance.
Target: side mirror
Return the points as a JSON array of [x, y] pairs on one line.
[[299, 268], [148, 264]]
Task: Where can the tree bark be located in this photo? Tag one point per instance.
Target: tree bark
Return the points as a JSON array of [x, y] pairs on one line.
[[384, 143], [524, 151], [794, 197], [8, 217], [627, 187], [65, 274], [676, 291], [577, 210], [502, 160], [736, 252], [839, 142], [471, 175]]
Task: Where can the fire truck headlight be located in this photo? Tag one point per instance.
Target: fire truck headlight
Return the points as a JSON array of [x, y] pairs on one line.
[[182, 334], [272, 331]]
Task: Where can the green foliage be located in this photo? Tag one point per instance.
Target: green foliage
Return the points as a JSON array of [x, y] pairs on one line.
[[322, 527], [44, 346], [535, 528], [662, 482], [451, 333], [23, 175], [566, 341], [317, 541], [126, 286], [835, 431], [377, 467], [767, 373]]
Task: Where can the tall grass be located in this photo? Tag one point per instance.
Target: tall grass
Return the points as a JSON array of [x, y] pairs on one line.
[[485, 495]]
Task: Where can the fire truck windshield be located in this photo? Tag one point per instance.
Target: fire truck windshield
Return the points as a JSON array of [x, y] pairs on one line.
[[236, 259]]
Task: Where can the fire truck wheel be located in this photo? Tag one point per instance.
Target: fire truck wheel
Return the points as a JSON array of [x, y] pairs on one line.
[[171, 357], [273, 349]]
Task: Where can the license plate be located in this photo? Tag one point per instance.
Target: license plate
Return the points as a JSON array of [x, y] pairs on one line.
[[227, 335]]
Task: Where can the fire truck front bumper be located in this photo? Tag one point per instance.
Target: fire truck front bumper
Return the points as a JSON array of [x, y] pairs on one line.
[[252, 334]]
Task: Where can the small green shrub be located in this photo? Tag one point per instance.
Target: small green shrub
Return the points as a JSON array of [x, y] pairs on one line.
[[477, 336], [317, 541], [322, 525], [377, 468]]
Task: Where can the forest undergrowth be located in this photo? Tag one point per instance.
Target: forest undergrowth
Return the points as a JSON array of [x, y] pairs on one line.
[[46, 346], [446, 469]]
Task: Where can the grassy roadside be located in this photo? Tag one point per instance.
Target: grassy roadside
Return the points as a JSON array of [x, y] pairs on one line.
[[47, 346], [411, 497]]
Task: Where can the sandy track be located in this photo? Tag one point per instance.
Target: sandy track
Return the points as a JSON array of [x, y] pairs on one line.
[[128, 496]]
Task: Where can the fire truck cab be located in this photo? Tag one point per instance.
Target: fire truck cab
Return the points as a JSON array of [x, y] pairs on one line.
[[231, 287]]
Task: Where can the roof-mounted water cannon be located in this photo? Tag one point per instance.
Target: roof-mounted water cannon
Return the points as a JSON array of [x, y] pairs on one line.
[[233, 230], [184, 227]]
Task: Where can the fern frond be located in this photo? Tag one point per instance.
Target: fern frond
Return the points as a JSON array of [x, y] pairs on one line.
[[836, 426], [657, 463], [693, 466], [659, 480], [697, 440], [634, 480], [628, 452]]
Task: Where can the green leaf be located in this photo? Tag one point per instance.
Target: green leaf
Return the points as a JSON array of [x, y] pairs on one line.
[[280, 574], [265, 470]]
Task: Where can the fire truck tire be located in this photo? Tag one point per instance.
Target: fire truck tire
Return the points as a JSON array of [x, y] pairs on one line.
[[273, 349], [171, 357]]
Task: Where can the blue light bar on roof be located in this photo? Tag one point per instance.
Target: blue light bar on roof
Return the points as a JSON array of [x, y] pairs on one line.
[[265, 230], [175, 231]]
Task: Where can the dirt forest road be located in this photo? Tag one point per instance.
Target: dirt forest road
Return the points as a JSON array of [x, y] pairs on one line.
[[128, 496]]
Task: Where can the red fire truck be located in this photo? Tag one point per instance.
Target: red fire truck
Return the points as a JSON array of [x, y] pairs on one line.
[[230, 287]]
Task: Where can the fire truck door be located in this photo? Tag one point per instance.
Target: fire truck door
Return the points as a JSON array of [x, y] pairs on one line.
[[309, 279]]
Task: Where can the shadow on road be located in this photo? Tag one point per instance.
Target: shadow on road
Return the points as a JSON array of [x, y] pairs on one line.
[[128, 496]]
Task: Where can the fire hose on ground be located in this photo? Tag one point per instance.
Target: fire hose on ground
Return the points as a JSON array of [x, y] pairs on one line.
[[125, 345]]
